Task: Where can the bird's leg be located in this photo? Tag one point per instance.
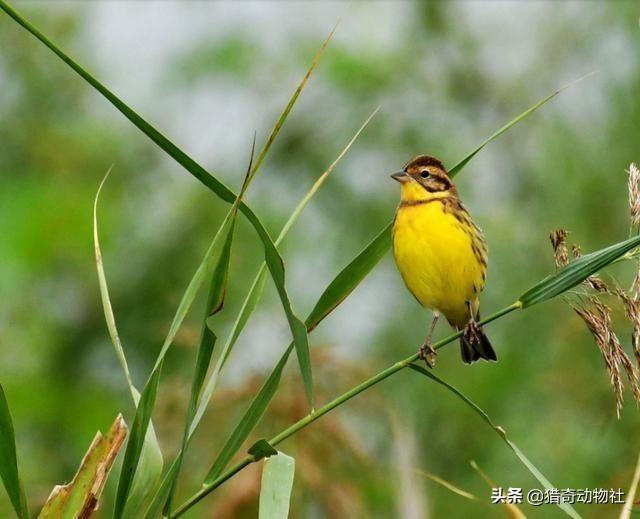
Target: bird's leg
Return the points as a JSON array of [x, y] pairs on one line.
[[472, 330], [426, 352]]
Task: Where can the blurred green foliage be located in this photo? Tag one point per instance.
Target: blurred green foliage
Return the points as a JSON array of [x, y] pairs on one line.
[[447, 75]]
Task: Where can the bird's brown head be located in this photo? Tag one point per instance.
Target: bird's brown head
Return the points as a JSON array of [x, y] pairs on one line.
[[427, 173]]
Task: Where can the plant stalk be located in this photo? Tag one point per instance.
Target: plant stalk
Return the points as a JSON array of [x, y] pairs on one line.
[[313, 416]]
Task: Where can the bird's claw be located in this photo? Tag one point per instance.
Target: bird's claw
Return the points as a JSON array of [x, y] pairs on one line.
[[428, 354], [472, 332]]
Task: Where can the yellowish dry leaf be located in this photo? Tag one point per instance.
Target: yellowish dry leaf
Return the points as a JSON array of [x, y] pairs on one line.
[[79, 499]]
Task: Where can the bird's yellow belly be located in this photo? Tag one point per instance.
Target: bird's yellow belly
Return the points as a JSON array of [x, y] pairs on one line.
[[436, 260]]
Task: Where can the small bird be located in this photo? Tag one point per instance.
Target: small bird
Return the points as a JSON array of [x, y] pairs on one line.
[[441, 254]]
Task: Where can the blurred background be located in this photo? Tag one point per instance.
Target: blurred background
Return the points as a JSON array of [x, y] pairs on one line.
[[209, 75]]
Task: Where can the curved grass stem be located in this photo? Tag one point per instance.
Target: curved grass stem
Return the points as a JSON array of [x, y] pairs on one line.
[[330, 406]]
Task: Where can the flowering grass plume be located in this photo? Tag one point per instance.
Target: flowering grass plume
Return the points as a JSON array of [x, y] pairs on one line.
[[588, 303], [634, 194]]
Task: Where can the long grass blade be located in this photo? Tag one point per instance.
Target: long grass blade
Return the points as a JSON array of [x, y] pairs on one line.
[[104, 295], [151, 462], [298, 329], [272, 257], [510, 508], [446, 484], [139, 429], [289, 106], [576, 272], [9, 460], [568, 509], [277, 483], [463, 162], [350, 277], [147, 476]]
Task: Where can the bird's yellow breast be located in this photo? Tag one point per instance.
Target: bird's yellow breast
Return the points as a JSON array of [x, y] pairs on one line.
[[435, 256]]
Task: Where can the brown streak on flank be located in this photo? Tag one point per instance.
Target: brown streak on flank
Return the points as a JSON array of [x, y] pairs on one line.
[[458, 216], [451, 204], [479, 255]]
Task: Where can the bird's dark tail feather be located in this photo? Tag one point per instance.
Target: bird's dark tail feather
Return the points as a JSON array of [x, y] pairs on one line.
[[480, 349]]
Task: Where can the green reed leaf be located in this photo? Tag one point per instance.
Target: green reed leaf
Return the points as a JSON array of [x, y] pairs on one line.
[[262, 449], [292, 101], [298, 328], [462, 163], [575, 272], [568, 509], [109, 316], [151, 462], [275, 490], [350, 277], [9, 460]]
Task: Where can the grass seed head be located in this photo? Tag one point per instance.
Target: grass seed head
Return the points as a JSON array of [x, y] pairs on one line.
[[634, 193], [597, 315], [559, 242], [632, 311]]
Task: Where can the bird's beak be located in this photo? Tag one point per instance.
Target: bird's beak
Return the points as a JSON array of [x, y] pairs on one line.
[[401, 176]]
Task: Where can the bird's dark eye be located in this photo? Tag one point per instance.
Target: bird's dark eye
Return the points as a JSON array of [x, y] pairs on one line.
[[424, 174]]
